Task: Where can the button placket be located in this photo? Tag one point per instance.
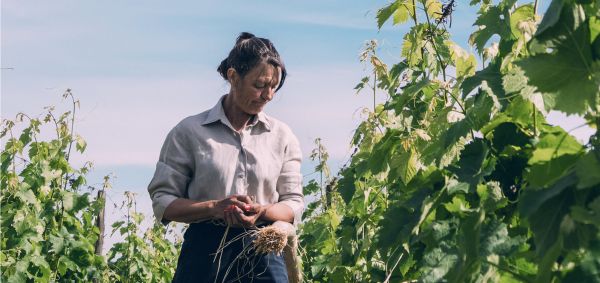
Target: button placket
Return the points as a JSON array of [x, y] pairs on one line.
[[242, 179]]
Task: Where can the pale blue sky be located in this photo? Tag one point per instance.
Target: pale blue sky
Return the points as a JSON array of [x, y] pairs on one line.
[[139, 67]]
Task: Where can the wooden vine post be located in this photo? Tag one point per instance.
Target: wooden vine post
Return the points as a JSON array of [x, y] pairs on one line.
[[100, 222]]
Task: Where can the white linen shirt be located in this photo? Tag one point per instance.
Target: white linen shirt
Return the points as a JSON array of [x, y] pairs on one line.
[[204, 158]]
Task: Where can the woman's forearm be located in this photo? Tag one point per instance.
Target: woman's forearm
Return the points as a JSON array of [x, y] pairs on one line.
[[278, 211], [187, 211]]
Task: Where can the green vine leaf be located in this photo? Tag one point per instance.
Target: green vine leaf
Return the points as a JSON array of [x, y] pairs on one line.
[[347, 186], [490, 75], [566, 69], [412, 44], [434, 8], [551, 16], [407, 165], [589, 270], [546, 221], [28, 197], [492, 21], [473, 164], [587, 169], [464, 62], [80, 143], [401, 9], [519, 16]]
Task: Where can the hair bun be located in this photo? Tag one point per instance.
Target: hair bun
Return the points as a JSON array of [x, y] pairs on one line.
[[248, 52], [244, 36]]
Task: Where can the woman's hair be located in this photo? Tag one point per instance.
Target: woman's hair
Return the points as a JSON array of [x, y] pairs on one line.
[[250, 51]]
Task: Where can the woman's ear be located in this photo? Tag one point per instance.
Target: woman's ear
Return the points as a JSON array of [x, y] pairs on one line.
[[232, 76]]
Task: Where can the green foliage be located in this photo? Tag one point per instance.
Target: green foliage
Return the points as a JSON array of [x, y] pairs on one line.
[[460, 178], [560, 45], [48, 217], [147, 258], [48, 229], [401, 10]]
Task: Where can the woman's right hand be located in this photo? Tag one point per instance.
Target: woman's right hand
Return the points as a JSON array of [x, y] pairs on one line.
[[233, 202]]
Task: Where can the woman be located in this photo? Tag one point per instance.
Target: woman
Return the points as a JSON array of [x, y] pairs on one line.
[[231, 165]]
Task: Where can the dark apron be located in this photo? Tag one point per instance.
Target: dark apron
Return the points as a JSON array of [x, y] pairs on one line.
[[197, 262]]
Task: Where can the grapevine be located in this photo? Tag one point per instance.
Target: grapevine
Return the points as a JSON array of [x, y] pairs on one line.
[[49, 221], [457, 176]]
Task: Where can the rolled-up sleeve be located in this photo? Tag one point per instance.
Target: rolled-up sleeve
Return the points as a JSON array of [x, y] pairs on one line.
[[289, 183], [173, 173]]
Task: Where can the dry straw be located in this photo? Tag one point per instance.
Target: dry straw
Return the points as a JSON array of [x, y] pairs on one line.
[[278, 238]]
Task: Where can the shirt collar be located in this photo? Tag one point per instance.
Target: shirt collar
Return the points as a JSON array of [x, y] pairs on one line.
[[217, 113]]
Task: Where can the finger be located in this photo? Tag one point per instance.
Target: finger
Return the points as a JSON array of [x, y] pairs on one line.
[[238, 210], [249, 221], [245, 220], [241, 205], [251, 209], [255, 208], [238, 215], [245, 198], [224, 203], [229, 201], [230, 218]]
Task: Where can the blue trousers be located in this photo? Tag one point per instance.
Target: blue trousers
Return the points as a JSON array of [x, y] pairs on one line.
[[197, 261]]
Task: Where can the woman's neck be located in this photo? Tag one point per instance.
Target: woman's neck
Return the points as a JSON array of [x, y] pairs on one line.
[[238, 118]]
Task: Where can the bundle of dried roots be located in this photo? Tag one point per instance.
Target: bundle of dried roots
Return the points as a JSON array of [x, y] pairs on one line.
[[270, 239]]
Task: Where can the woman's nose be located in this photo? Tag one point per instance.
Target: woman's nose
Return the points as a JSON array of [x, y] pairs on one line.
[[268, 94]]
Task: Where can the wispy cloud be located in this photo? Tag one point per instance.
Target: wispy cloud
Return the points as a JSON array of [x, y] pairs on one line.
[[140, 68]]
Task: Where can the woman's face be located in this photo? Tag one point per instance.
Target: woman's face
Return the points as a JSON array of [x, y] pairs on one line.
[[252, 92]]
